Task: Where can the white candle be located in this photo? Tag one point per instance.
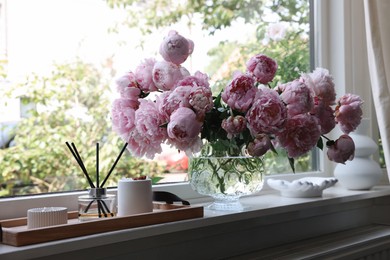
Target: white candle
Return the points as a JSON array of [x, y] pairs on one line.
[[47, 216], [134, 196]]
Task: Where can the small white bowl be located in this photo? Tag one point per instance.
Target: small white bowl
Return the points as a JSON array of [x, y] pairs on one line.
[[307, 187]]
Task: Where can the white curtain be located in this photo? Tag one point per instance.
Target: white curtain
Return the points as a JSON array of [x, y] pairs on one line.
[[377, 20]]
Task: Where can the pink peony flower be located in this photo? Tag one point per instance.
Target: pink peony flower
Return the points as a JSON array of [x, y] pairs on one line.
[[341, 150], [148, 120], [239, 93], [234, 125], [325, 116], [201, 101], [139, 145], [175, 48], [268, 114], [166, 75], [203, 79], [322, 83], [144, 75], [184, 130], [298, 98], [127, 86], [123, 116], [349, 112], [260, 145], [300, 135], [262, 68], [199, 79], [148, 132], [172, 100]]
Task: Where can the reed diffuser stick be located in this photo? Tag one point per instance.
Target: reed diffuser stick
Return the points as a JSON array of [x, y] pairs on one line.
[[80, 162], [97, 165], [113, 166], [82, 165], [99, 208], [101, 205]]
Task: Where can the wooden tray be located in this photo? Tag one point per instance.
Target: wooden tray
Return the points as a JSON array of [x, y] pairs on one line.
[[14, 232]]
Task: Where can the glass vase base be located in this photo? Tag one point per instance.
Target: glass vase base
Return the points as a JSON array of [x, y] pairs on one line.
[[227, 206]]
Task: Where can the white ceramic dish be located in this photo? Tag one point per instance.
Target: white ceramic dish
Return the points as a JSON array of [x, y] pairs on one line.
[[302, 188]]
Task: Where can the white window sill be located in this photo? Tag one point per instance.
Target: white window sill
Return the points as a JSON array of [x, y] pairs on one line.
[[21, 204], [269, 220]]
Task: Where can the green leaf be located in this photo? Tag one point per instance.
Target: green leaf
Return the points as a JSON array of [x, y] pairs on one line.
[[320, 143], [165, 125], [272, 147], [292, 165], [217, 100]]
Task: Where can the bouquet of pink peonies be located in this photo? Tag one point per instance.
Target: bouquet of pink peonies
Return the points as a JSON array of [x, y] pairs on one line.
[[248, 116]]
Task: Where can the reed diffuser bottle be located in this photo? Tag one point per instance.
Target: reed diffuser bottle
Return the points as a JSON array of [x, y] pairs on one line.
[[97, 204]]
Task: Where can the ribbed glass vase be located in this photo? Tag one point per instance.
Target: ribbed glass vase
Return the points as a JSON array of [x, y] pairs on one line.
[[226, 178]]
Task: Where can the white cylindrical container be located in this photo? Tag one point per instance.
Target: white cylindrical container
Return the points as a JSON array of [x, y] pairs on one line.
[[134, 196], [47, 216]]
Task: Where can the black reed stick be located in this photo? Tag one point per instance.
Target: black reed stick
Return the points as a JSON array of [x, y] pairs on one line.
[[107, 209], [97, 165], [100, 202], [80, 162], [83, 166], [98, 206], [88, 206], [113, 166]]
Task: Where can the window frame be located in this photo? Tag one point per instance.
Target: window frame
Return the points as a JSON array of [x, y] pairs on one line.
[[336, 23]]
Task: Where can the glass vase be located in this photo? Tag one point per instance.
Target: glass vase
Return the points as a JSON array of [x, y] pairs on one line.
[[226, 179], [97, 204]]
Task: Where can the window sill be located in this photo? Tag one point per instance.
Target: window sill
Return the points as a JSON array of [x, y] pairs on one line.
[[21, 204], [270, 220]]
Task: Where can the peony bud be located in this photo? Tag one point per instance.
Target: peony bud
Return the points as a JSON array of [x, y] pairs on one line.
[[175, 48], [260, 145], [341, 150]]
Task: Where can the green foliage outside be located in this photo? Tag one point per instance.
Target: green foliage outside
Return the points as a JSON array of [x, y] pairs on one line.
[[72, 103]]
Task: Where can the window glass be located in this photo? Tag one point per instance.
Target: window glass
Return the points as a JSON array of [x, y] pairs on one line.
[[59, 60]]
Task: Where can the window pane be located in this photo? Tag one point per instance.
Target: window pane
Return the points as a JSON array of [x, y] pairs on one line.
[[59, 59]]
